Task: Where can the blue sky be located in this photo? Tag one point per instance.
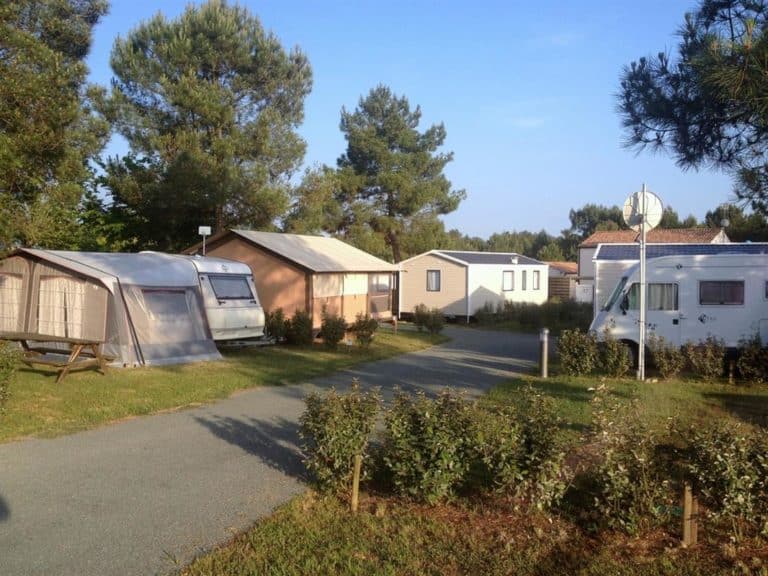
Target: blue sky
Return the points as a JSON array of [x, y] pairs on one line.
[[526, 91]]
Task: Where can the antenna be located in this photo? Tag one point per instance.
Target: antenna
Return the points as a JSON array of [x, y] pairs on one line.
[[204, 231], [642, 212]]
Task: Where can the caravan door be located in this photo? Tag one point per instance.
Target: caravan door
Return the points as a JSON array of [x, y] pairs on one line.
[[663, 316]]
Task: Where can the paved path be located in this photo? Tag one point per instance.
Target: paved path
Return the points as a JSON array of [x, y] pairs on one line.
[[135, 497]]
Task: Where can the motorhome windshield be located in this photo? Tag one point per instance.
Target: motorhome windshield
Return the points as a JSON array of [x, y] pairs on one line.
[[616, 293], [231, 287]]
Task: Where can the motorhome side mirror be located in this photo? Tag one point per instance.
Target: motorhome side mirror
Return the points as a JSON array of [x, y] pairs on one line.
[[624, 306]]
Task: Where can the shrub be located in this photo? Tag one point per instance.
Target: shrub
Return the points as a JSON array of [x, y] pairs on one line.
[[669, 359], [434, 321], [420, 316], [577, 351], [706, 359], [299, 328], [425, 448], [333, 328], [487, 314], [364, 328], [632, 482], [9, 358], [615, 357], [753, 360], [275, 325], [497, 447], [730, 467], [336, 427]]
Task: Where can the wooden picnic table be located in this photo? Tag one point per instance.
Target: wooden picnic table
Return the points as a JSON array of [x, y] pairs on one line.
[[77, 353]]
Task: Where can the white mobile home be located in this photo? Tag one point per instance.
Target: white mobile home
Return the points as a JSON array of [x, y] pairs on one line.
[[141, 308], [691, 297], [461, 283]]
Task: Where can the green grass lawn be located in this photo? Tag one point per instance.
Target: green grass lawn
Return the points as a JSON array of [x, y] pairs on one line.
[[491, 535], [40, 407]]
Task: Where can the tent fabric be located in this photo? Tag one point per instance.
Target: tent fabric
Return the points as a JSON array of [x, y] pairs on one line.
[[145, 308]]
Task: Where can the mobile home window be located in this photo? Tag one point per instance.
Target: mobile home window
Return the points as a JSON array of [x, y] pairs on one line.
[[660, 297], [525, 279], [231, 287], [536, 279], [508, 280], [721, 292], [433, 280]]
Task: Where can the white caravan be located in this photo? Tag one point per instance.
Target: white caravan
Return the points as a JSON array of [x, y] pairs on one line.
[[690, 298], [229, 297]]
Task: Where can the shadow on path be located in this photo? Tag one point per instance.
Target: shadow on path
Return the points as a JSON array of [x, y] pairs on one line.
[[274, 443], [5, 512]]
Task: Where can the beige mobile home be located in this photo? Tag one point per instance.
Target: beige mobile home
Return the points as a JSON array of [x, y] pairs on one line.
[[461, 283], [302, 272]]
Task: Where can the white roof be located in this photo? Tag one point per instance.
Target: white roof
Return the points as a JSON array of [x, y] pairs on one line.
[[143, 269], [215, 265], [317, 253]]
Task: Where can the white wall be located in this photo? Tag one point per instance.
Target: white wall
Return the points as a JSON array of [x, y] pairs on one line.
[[486, 284], [586, 265]]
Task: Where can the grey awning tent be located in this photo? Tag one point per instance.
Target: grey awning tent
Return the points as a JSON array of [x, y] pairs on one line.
[[146, 308]]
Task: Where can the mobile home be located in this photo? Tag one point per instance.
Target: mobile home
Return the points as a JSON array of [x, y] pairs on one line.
[[691, 297]]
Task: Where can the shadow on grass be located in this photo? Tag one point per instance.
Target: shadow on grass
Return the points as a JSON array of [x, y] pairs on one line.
[[5, 512], [274, 443], [750, 408]]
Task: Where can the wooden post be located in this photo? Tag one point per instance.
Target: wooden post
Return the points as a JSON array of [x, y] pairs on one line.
[[356, 481], [690, 516]]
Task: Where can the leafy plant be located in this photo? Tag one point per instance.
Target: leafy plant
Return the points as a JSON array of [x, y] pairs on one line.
[[333, 328], [425, 447], [364, 328], [496, 439], [299, 328], [9, 358], [420, 316], [706, 359], [633, 487], [577, 351], [275, 325], [730, 467], [668, 358], [335, 428], [753, 360], [615, 357], [434, 321]]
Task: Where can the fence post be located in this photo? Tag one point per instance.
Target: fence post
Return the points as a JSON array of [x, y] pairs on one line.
[[690, 516], [356, 481], [544, 352]]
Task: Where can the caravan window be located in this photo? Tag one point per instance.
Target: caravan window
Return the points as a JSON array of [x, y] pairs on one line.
[[660, 297], [721, 292], [380, 282], [10, 302], [60, 306], [433, 280], [231, 287]]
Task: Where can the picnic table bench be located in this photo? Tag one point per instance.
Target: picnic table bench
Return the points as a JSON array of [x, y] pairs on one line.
[[76, 354]]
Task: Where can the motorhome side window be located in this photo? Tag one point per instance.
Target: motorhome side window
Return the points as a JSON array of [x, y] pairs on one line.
[[660, 297], [721, 292], [231, 287], [433, 280]]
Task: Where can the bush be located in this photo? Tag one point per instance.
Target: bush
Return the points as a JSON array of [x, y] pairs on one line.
[[669, 359], [577, 351], [9, 358], [299, 328], [336, 427], [364, 328], [333, 328], [275, 325], [615, 357], [497, 447], [729, 465], [425, 447], [753, 360], [420, 316], [434, 321], [632, 481], [706, 359]]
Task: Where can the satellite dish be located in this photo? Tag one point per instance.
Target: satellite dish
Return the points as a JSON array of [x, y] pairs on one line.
[[641, 206]]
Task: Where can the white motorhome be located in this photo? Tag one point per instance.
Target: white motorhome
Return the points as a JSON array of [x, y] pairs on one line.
[[229, 297], [691, 297]]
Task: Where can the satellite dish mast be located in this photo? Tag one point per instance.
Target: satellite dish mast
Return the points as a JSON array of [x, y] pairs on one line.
[[642, 213]]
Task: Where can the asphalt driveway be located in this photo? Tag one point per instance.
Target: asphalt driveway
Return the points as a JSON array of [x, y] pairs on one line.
[[145, 495]]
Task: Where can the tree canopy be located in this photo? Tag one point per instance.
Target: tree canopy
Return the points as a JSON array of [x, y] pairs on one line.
[[209, 104], [707, 105], [391, 180], [47, 133]]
